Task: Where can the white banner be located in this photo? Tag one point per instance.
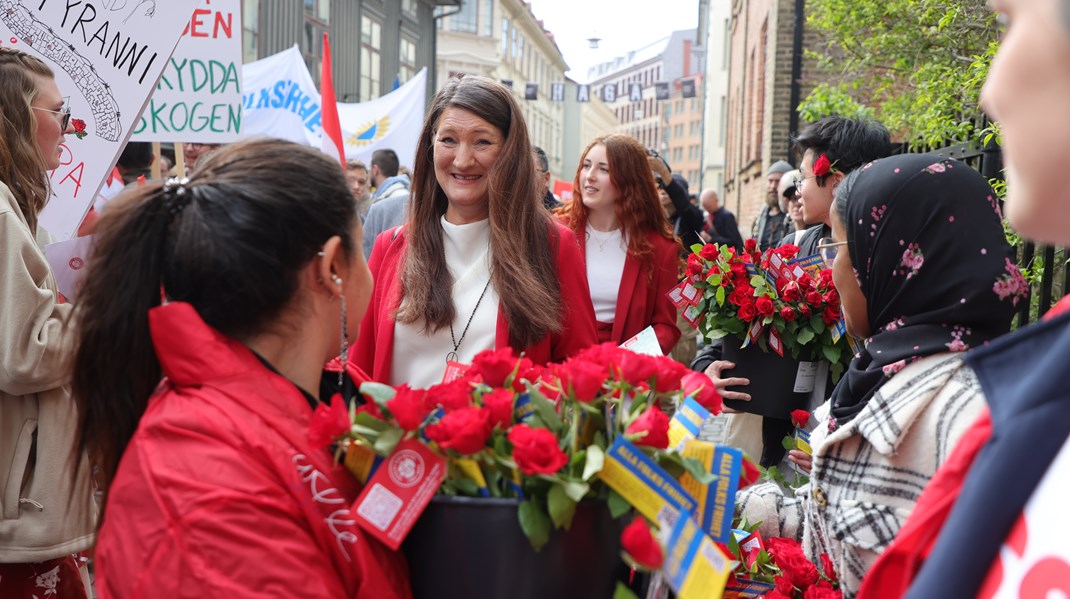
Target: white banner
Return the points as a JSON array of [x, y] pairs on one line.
[[281, 100], [106, 56], [198, 98]]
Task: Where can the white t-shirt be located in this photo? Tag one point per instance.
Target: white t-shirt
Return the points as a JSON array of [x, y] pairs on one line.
[[420, 359], [606, 252]]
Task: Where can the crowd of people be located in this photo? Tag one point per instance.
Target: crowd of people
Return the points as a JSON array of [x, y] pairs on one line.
[[161, 421]]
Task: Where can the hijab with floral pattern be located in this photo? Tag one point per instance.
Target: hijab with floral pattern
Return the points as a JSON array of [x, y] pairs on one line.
[[926, 241]]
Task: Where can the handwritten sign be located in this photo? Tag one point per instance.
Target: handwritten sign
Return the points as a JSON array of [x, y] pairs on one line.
[[106, 57], [198, 97]]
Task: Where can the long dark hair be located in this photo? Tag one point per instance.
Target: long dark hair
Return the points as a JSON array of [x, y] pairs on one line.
[[638, 210], [231, 244], [22, 167], [522, 252]]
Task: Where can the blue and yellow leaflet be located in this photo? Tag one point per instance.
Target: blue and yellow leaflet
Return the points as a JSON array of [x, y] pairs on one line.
[[716, 502], [362, 461], [471, 470], [643, 483], [523, 408], [694, 566], [802, 441], [686, 423], [741, 588]]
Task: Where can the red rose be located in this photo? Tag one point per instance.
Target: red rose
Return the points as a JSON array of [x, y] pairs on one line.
[[527, 370], [793, 564], [791, 292], [535, 450], [494, 366], [831, 314], [814, 298], [800, 418], [79, 128], [747, 312], [668, 374], [765, 306], [709, 252], [370, 407], [775, 594], [655, 424], [453, 395], [749, 475], [822, 166], [826, 566], [465, 430], [328, 422], [701, 388], [409, 407], [582, 379], [500, 404], [750, 245], [738, 269], [825, 277], [822, 590], [787, 251], [832, 297], [695, 265], [787, 313], [635, 368], [783, 585], [804, 310], [641, 545]]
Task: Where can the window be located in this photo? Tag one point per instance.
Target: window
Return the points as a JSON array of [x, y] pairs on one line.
[[486, 18], [464, 21], [250, 20], [520, 50], [408, 8], [505, 36], [514, 41], [371, 38], [317, 17], [407, 58]]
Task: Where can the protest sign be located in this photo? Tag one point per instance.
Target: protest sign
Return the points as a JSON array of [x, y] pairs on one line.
[[106, 57], [198, 97], [281, 100]]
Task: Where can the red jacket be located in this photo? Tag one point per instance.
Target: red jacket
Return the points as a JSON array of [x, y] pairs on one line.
[[643, 300], [219, 494], [373, 350]]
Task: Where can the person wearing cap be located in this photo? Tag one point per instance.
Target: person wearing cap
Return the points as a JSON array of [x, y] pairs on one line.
[[790, 204], [772, 223]]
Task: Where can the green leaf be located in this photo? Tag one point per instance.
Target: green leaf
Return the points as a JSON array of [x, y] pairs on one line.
[[695, 469], [379, 392], [575, 490], [716, 334], [720, 296], [714, 279], [832, 353], [562, 507], [696, 248], [368, 421], [623, 592], [817, 324], [535, 524], [788, 443], [804, 336], [387, 441], [466, 486], [596, 458], [618, 505], [545, 410]]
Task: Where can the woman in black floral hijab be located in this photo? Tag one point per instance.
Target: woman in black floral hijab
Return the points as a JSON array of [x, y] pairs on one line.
[[927, 268]]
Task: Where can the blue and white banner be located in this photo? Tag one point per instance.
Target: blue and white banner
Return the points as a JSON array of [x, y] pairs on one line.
[[281, 100]]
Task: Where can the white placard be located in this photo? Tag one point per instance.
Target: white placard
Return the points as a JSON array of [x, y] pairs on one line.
[[198, 97], [68, 260], [107, 56], [644, 342]]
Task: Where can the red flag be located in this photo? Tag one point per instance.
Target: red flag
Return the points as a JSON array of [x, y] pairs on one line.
[[332, 129]]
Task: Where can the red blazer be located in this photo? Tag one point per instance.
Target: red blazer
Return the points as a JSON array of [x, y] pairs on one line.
[[643, 300], [374, 347]]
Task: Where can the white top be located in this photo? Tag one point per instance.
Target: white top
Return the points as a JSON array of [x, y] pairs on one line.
[[606, 252], [420, 359]]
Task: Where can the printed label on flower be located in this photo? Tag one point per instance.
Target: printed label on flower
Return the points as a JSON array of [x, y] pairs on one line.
[[802, 441], [691, 293], [686, 423], [805, 377], [642, 482], [676, 295], [742, 588], [715, 502], [399, 492], [811, 264], [692, 314], [694, 566], [454, 371]]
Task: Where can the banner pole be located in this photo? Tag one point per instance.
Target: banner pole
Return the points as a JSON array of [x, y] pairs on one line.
[[180, 160], [156, 156]]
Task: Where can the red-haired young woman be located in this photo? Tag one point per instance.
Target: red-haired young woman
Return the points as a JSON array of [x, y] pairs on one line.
[[630, 252]]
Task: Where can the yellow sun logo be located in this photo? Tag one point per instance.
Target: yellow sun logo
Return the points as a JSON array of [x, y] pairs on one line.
[[369, 133]]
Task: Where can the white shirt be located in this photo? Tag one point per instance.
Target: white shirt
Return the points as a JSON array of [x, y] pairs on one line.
[[606, 252], [420, 359]]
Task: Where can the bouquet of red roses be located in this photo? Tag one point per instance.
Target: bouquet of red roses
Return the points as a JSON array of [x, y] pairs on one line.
[[778, 568], [510, 428], [782, 303]]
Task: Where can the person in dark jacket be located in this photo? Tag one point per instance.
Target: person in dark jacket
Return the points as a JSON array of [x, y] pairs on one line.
[[721, 227], [686, 218]]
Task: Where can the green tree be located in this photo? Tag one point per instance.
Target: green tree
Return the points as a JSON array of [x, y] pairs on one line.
[[917, 65]]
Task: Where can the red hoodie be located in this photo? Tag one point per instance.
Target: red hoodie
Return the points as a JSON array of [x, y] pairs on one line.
[[219, 493]]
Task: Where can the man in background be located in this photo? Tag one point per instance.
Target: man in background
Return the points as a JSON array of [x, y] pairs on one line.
[[360, 184], [721, 227], [772, 224], [542, 177], [388, 183]]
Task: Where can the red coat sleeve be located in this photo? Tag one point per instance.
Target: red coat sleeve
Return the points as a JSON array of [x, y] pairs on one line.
[[666, 273], [579, 325], [383, 266]]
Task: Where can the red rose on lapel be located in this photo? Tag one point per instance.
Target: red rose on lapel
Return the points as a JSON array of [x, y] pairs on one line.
[[822, 166]]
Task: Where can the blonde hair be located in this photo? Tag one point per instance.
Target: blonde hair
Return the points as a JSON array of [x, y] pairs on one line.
[[22, 167]]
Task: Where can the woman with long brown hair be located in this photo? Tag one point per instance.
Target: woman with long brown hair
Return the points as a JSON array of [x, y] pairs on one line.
[[479, 264], [208, 312], [47, 514], [629, 251]]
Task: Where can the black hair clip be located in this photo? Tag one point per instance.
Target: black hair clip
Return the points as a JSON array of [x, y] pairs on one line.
[[174, 190]]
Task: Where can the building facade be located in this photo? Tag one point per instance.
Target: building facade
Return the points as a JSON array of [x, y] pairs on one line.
[[503, 40], [584, 121], [716, 84], [767, 77], [374, 43]]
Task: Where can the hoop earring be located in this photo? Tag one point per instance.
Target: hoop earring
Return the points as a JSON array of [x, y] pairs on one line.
[[343, 353]]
